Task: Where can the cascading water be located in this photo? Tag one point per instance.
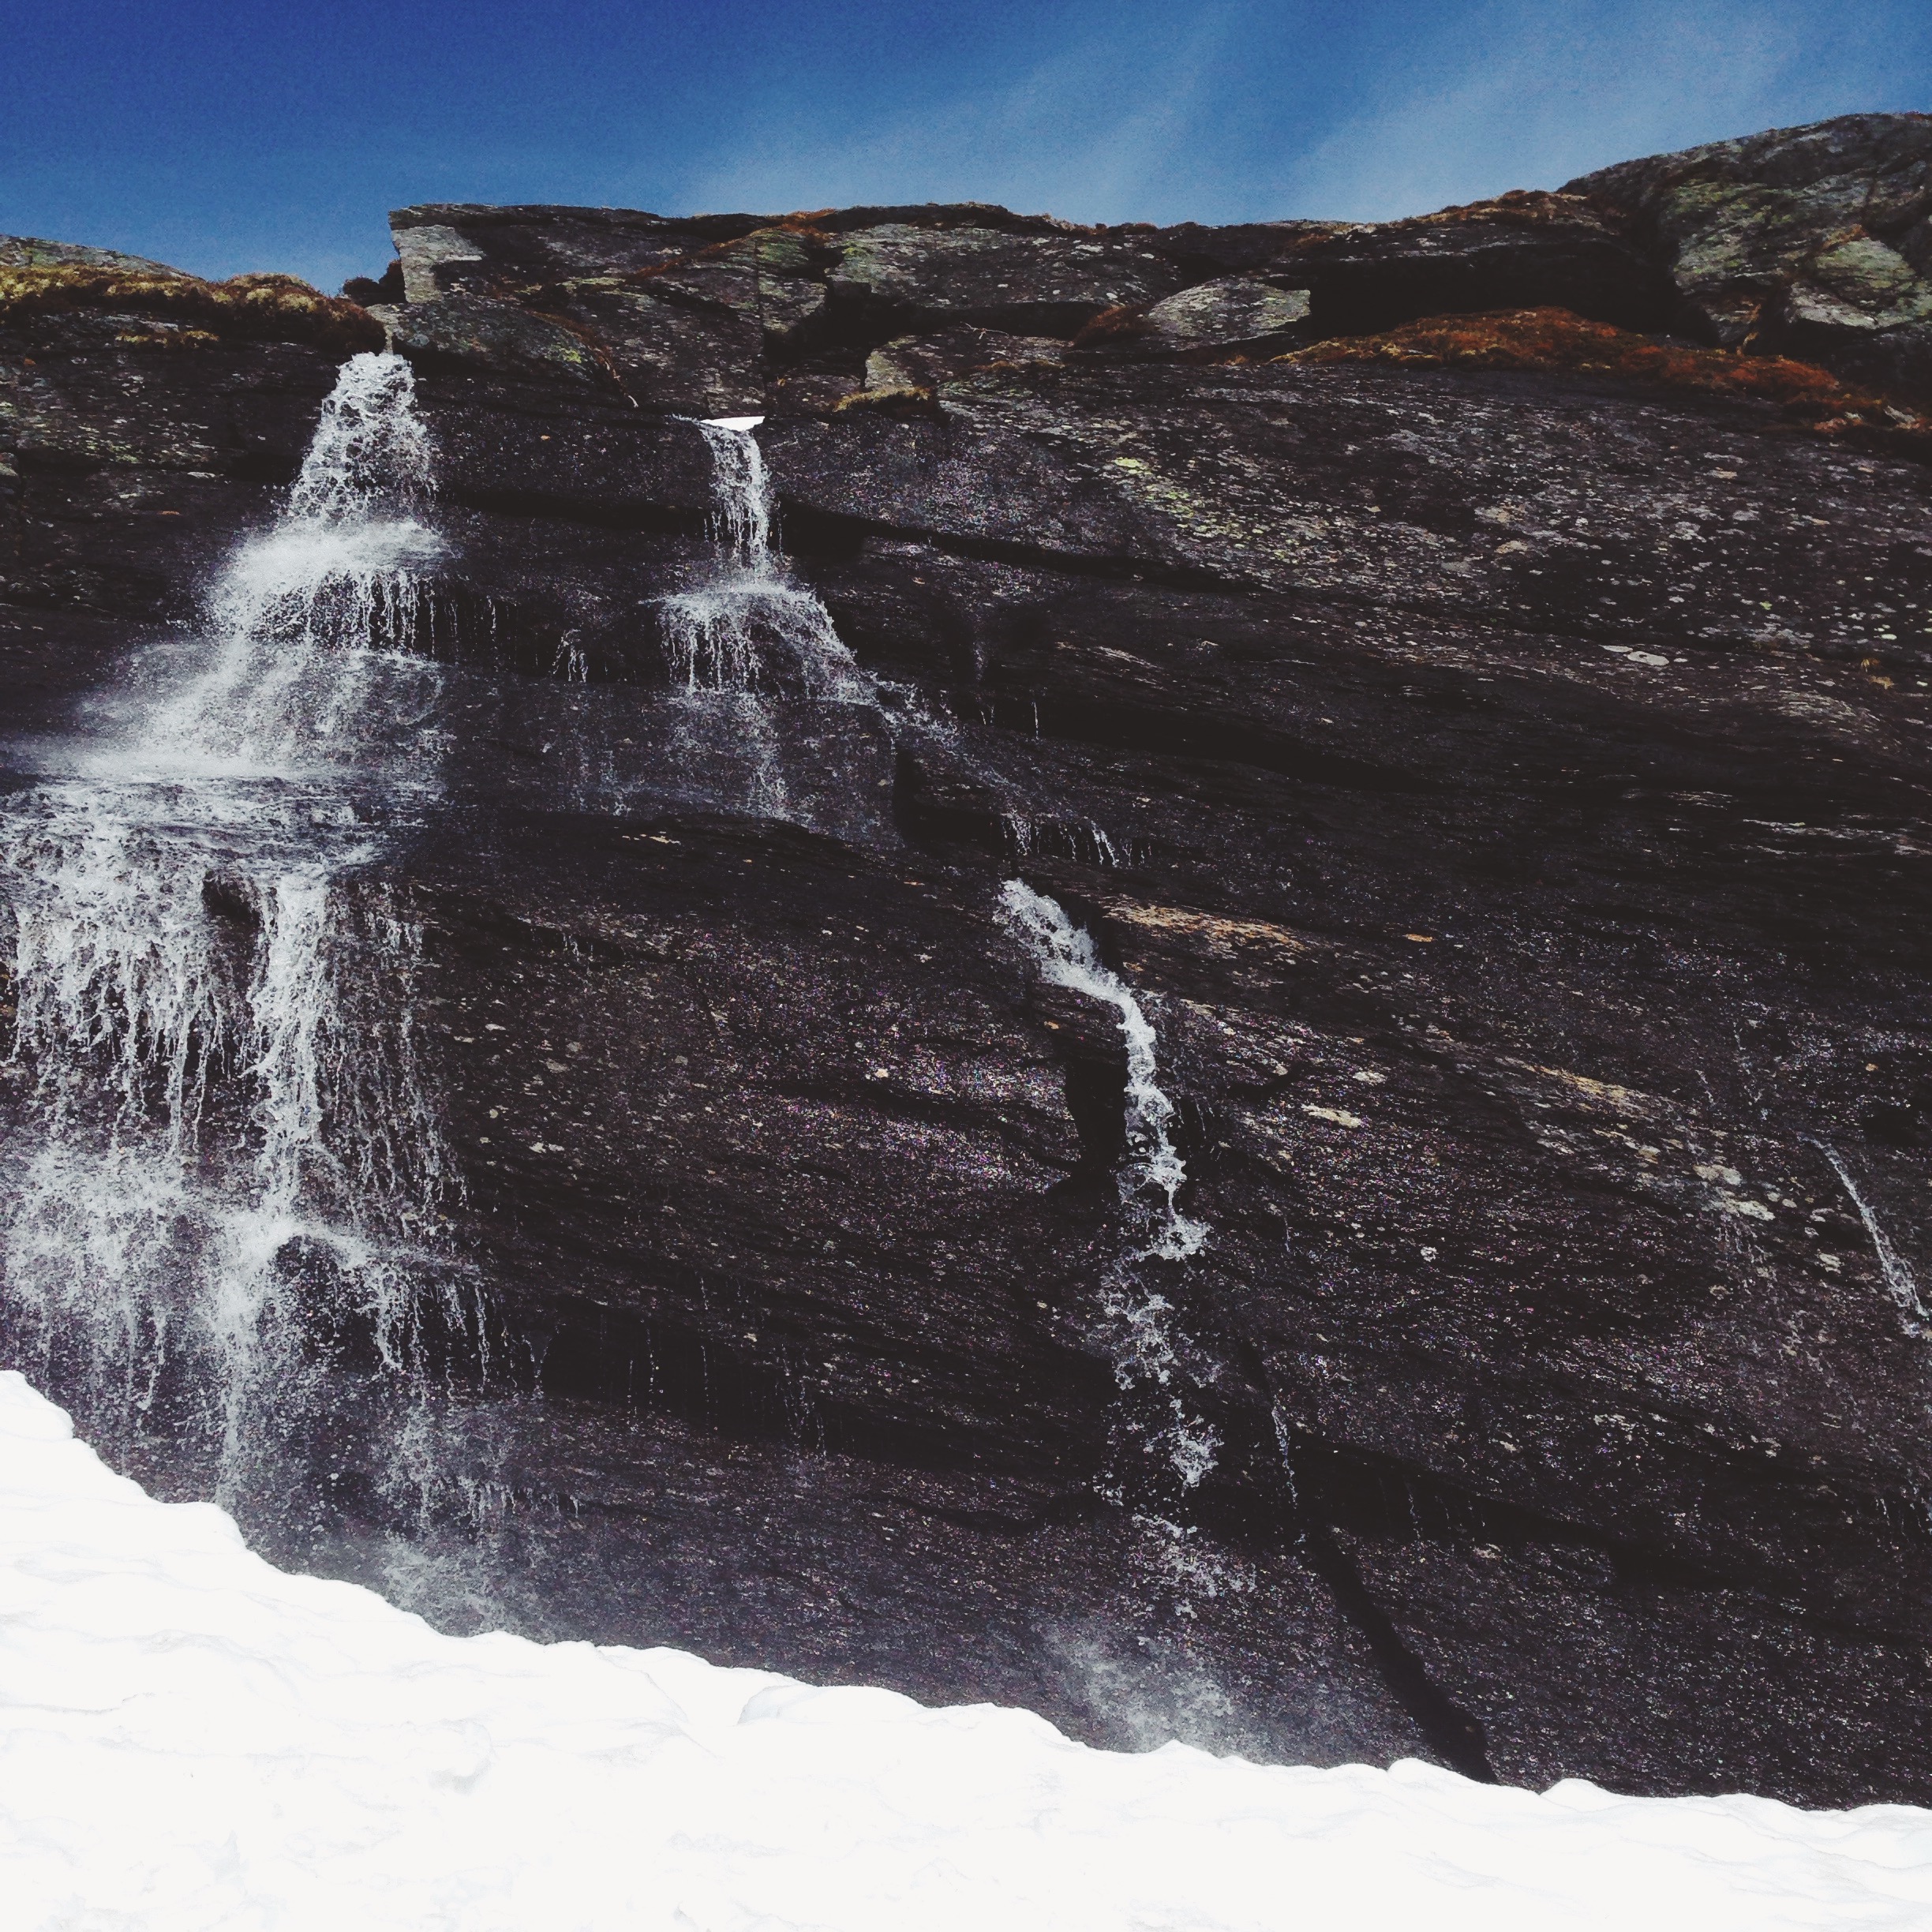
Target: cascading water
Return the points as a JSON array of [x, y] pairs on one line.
[[1153, 1174], [234, 1175], [753, 637], [750, 639], [753, 627], [1150, 1178]]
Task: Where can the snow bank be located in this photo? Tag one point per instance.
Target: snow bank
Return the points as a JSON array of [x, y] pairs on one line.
[[192, 1739]]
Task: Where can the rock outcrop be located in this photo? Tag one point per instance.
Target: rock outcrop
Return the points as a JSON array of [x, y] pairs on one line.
[[1813, 241], [1505, 789]]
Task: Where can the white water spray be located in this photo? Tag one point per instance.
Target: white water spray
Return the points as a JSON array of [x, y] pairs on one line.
[[314, 617], [226, 1104]]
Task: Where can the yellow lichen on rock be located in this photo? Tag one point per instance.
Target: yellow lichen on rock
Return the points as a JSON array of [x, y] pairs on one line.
[[1219, 936]]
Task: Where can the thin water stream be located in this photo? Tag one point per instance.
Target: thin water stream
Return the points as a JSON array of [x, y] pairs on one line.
[[1178, 1445]]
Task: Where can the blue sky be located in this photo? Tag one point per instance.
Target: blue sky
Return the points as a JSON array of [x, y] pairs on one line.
[[225, 137]]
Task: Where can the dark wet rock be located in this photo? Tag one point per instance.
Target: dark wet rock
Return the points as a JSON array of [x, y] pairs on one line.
[[812, 392], [1814, 242], [1508, 794]]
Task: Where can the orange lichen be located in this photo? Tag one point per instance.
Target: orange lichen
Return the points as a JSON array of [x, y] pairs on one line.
[[1126, 323], [1555, 340], [259, 308], [892, 399]]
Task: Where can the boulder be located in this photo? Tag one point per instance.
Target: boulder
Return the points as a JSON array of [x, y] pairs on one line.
[[1228, 316], [679, 314], [30, 252], [1814, 241], [447, 245], [1202, 252], [129, 297], [465, 331], [696, 359], [775, 275]]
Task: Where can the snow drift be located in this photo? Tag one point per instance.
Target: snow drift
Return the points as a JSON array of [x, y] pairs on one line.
[[194, 1739]]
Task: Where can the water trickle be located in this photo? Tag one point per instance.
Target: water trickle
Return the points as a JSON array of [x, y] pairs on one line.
[[1084, 843], [1153, 1173], [1892, 1267], [232, 1150], [1147, 1358]]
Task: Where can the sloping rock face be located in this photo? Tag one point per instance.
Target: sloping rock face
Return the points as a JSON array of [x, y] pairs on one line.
[[1814, 242], [1506, 795]]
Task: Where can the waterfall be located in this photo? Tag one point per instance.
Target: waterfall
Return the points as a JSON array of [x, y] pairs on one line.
[[232, 1157], [1147, 1358], [314, 619], [753, 636], [752, 627], [1152, 1175]]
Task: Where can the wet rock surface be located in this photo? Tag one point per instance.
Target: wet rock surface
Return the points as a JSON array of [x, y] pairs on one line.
[[1506, 794]]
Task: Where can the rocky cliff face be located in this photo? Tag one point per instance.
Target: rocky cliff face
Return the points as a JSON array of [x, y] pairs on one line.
[[1503, 789]]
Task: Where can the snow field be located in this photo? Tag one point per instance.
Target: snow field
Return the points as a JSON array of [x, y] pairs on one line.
[[191, 1740]]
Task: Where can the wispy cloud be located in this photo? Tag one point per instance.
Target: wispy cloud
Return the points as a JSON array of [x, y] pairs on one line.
[[1529, 95], [1101, 130]]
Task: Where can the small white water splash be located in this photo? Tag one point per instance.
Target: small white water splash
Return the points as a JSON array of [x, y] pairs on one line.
[[226, 1102], [753, 627], [1150, 1179], [1084, 843], [1893, 1267]]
